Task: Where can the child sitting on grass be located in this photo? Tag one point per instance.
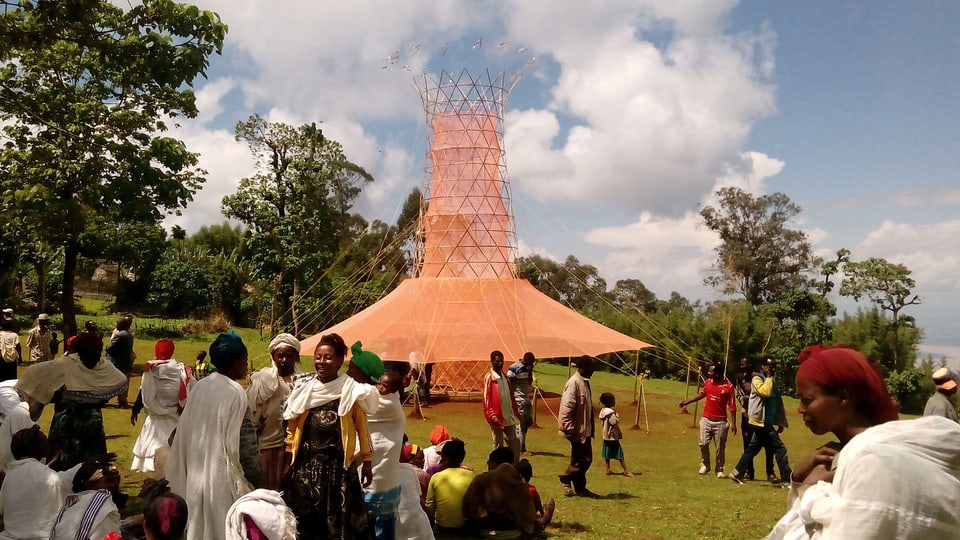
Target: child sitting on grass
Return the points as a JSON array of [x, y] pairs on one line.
[[612, 433], [526, 471]]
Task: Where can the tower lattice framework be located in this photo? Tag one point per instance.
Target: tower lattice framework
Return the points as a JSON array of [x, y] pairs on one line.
[[466, 220]]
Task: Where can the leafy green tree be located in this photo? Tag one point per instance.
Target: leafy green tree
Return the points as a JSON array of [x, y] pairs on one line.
[[889, 286], [296, 207], [577, 285], [220, 238], [759, 256], [633, 294], [180, 288], [86, 88], [870, 332]]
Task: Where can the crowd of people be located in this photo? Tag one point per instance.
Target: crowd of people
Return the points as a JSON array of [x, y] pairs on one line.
[[323, 454]]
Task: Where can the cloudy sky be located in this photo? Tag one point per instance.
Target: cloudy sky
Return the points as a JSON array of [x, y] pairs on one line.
[[630, 115]]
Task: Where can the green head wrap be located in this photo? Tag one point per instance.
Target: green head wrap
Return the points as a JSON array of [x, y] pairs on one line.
[[369, 363], [227, 348]]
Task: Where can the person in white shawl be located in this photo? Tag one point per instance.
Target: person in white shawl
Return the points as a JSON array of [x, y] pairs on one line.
[[84, 382], [267, 394], [14, 416], [326, 416], [883, 479], [93, 510], [32, 492], [387, 425], [413, 522], [163, 392], [261, 514], [213, 461]]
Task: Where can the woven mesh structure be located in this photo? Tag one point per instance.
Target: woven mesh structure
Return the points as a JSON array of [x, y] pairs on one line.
[[466, 300]]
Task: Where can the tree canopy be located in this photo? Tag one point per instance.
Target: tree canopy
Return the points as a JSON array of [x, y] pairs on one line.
[[86, 89], [759, 256]]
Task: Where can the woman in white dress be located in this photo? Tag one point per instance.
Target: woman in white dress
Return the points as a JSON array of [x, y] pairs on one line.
[[163, 391]]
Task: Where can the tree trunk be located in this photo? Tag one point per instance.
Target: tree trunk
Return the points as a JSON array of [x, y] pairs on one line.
[[293, 306], [896, 339], [66, 301], [41, 269]]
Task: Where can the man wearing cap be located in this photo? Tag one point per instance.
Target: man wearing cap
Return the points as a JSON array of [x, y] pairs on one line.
[[267, 393], [39, 339], [940, 403]]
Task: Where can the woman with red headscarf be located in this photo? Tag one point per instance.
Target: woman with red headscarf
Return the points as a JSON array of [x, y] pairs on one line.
[[163, 392], [881, 478]]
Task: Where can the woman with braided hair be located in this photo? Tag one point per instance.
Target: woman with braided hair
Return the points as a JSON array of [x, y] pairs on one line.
[[881, 478], [164, 512]]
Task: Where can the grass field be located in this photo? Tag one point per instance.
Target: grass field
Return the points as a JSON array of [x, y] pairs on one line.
[[667, 499]]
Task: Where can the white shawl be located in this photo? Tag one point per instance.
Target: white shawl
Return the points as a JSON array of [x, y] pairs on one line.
[[88, 514], [412, 522], [41, 381], [898, 480], [17, 418], [30, 498], [309, 392], [162, 384], [386, 425], [204, 464], [266, 508]]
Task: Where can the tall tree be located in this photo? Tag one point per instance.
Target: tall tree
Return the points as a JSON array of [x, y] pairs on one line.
[[888, 285], [296, 206], [759, 256], [86, 88]]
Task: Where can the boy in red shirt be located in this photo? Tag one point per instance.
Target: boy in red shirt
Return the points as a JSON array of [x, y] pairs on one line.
[[720, 397]]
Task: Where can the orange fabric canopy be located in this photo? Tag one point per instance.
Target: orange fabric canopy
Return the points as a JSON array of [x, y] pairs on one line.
[[450, 320]]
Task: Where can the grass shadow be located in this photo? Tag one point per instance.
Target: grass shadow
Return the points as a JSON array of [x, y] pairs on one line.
[[618, 496], [547, 454], [568, 526]]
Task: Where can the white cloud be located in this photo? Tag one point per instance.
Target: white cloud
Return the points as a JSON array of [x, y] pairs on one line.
[[931, 251]]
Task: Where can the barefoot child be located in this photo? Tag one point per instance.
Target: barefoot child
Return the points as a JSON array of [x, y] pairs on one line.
[[611, 433]]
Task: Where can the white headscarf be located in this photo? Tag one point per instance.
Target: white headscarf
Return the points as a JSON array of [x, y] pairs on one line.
[[309, 392], [284, 340], [267, 510]]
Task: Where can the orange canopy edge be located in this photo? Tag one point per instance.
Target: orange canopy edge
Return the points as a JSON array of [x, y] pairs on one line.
[[453, 320]]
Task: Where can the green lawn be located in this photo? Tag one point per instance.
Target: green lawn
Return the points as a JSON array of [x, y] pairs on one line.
[[667, 498]]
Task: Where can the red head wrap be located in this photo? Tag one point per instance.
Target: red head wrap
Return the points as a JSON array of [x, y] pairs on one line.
[[163, 349], [438, 435], [842, 368]]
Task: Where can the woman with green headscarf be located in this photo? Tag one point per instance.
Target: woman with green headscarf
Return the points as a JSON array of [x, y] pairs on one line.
[[326, 416]]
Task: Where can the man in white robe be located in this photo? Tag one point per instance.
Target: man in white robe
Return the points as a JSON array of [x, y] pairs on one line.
[[14, 416], [205, 466]]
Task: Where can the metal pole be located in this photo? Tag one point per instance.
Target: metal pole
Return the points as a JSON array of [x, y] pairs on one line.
[[686, 389]]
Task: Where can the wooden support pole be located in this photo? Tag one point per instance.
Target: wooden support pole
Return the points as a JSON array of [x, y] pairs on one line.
[[417, 412], [686, 389]]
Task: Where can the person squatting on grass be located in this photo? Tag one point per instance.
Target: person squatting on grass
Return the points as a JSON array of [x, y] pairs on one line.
[[612, 434], [882, 478], [719, 394]]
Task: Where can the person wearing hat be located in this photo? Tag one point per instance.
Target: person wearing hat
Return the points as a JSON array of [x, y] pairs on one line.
[[431, 454], [268, 390], [328, 440], [163, 392], [215, 459], [940, 403], [38, 340]]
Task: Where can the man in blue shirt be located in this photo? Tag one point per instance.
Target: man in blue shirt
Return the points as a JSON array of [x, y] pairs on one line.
[[520, 377]]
